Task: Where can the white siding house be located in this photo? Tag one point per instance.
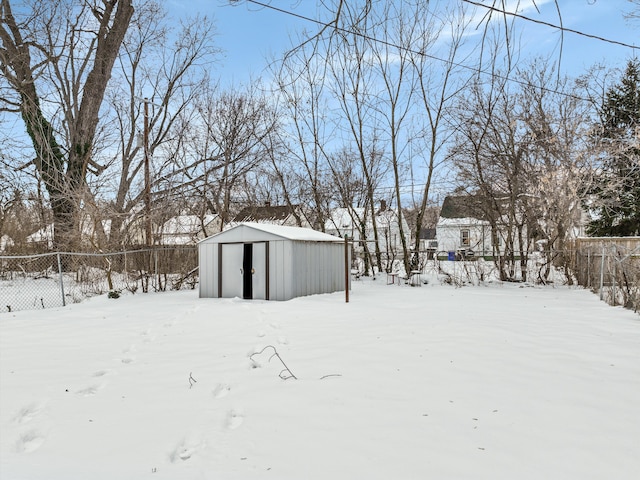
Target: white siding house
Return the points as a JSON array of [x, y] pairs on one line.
[[270, 262], [463, 231], [188, 229], [347, 221]]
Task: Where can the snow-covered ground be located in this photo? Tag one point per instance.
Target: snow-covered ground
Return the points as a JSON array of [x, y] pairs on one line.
[[489, 382]]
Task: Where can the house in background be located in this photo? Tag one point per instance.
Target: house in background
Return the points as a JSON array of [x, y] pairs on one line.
[[428, 242], [93, 233], [187, 229], [463, 229], [41, 239], [6, 242], [349, 221], [284, 215]]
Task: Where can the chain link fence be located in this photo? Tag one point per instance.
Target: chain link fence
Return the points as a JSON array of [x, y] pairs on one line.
[[611, 268], [56, 279]]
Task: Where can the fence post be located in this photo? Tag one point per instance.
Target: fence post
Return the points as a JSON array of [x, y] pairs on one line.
[[602, 274], [347, 269], [64, 304], [155, 269], [614, 282]]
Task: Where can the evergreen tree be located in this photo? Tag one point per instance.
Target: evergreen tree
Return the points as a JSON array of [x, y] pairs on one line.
[[617, 187]]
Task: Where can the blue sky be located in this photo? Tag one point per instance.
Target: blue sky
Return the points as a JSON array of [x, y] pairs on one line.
[[249, 34]]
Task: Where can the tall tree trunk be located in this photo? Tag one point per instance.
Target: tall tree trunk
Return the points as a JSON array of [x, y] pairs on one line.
[[64, 174]]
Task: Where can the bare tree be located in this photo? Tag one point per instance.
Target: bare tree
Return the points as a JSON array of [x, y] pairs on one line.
[[160, 79], [490, 152], [437, 91], [352, 87], [56, 59], [300, 80], [559, 122], [634, 13], [520, 149], [230, 138]]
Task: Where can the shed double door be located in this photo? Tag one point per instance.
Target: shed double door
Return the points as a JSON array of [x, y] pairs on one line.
[[244, 270]]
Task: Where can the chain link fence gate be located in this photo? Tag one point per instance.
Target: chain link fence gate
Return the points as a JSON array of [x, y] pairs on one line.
[[57, 279]]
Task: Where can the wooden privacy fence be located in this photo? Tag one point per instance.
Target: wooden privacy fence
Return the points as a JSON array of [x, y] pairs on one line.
[[610, 266]]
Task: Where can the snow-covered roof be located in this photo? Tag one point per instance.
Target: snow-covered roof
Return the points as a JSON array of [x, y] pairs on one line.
[[288, 233], [341, 218], [459, 222], [45, 234]]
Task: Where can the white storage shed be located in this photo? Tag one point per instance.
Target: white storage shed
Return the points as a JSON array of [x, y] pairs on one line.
[[271, 262]]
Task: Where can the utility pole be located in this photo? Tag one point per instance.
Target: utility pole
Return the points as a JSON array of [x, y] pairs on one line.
[[147, 180]]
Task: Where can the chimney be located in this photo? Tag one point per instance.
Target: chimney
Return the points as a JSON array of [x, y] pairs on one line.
[[383, 205], [267, 203]]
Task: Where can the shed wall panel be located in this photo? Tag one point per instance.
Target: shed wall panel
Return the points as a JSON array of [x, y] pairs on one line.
[[288, 276], [317, 268], [208, 270], [277, 270]]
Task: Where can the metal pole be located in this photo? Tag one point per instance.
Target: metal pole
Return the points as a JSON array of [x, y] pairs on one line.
[[614, 284], [602, 274], [346, 269], [64, 304]]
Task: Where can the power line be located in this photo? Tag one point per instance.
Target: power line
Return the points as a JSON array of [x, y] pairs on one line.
[[415, 52], [557, 27]]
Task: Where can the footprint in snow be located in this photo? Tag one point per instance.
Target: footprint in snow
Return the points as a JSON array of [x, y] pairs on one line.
[[221, 390], [183, 451], [234, 419], [28, 413], [90, 390], [169, 324], [29, 441], [147, 337]]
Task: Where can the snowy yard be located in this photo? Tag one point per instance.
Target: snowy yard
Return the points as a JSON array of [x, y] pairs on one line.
[[490, 382]]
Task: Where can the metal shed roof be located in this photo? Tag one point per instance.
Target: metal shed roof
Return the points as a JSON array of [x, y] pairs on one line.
[[287, 233]]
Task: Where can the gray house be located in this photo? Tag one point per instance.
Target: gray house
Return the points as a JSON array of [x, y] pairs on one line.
[[270, 262]]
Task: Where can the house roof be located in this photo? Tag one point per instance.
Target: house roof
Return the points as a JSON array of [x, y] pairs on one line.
[[285, 232], [342, 218], [264, 213], [467, 206], [45, 234]]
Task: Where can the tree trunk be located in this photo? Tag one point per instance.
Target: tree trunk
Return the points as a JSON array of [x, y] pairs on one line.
[[64, 178]]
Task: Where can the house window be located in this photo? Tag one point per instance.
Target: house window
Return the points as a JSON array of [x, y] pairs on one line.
[[465, 238]]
